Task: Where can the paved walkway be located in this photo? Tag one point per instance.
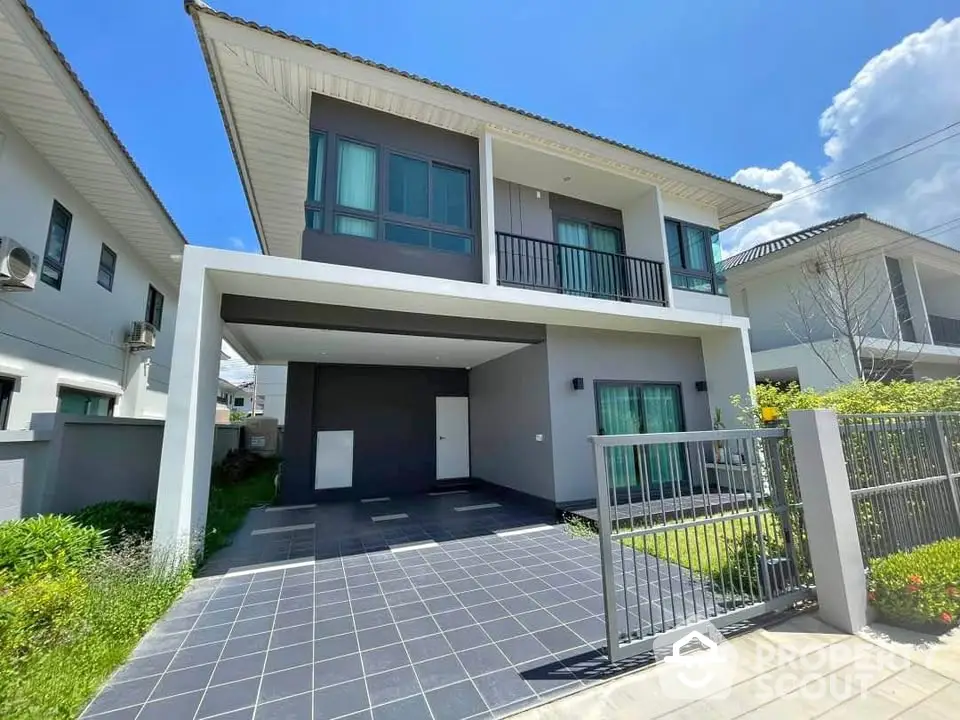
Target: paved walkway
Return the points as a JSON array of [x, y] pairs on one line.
[[798, 669]]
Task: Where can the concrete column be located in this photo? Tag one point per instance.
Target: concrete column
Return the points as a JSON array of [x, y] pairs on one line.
[[729, 371], [184, 484], [644, 235], [488, 223], [829, 517]]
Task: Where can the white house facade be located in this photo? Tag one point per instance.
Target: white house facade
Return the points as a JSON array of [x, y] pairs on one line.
[[910, 319], [457, 289], [106, 252]]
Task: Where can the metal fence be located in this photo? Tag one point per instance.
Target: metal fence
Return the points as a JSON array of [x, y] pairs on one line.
[[696, 526], [903, 470]]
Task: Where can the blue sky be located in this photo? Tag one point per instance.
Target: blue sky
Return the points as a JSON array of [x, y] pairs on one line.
[[719, 85]]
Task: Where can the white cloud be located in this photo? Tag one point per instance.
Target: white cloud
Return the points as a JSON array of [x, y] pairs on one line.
[[236, 243], [903, 93]]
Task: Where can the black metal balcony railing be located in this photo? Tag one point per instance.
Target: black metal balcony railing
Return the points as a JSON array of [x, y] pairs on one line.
[[571, 270], [945, 331]]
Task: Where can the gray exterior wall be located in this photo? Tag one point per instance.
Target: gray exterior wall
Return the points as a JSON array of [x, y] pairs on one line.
[[509, 408], [392, 412], [23, 469], [936, 371], [606, 355], [518, 210], [389, 132]]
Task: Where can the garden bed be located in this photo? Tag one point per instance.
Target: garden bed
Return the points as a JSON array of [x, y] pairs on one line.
[[918, 589], [77, 593]]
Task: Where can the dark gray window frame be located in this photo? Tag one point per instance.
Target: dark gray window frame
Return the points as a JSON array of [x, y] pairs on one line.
[[717, 281], [7, 387], [111, 270], [382, 216], [901, 304], [312, 206], [154, 311], [56, 264], [557, 219]]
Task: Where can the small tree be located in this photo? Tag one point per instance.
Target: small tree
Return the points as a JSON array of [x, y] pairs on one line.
[[845, 297]]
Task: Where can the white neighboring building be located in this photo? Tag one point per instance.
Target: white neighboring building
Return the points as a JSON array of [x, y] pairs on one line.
[[108, 253], [914, 322]]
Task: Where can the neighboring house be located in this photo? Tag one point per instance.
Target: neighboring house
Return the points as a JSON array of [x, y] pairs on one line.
[[458, 288], [906, 295], [234, 397], [87, 249]]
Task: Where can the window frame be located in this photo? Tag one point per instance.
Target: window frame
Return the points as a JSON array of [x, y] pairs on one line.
[[311, 207], [381, 215], [8, 386], [56, 264], [111, 399], [151, 310], [716, 280], [104, 248]]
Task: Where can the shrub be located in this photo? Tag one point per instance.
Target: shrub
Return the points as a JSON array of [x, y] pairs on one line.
[[239, 465], [119, 519], [39, 611], [920, 587], [860, 397], [51, 544]]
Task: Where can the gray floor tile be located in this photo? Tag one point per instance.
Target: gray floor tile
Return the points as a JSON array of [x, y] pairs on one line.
[[503, 629], [488, 611], [219, 617], [343, 699], [439, 671], [467, 637], [484, 659], [502, 688], [375, 602], [337, 670], [378, 637], [537, 620], [208, 635], [335, 626], [223, 698], [336, 646], [558, 639], [182, 681], [392, 685], [372, 618], [252, 626], [286, 682], [181, 706], [523, 649], [239, 668], [144, 667], [409, 611], [291, 635], [245, 645], [384, 658], [298, 707], [420, 627], [188, 657], [455, 702], [413, 708], [289, 656], [427, 648], [122, 694], [293, 618], [454, 619]]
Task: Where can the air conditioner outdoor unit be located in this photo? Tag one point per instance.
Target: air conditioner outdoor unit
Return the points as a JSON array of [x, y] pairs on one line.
[[18, 266], [142, 336]]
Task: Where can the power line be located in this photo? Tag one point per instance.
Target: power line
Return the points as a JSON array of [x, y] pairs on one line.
[[826, 180]]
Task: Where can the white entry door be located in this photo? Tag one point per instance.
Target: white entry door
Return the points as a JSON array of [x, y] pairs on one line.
[[453, 437]]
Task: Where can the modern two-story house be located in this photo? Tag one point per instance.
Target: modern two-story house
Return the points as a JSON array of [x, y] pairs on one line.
[[901, 292], [458, 289], [89, 257]]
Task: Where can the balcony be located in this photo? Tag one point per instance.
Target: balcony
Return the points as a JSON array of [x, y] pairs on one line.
[[944, 330], [571, 270]]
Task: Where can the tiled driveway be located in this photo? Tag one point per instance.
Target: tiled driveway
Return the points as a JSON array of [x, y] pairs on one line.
[[465, 608]]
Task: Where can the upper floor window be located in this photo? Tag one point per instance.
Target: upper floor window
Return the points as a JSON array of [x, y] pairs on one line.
[[55, 253], [694, 257], [154, 314], [82, 402], [382, 194], [108, 266], [238, 402]]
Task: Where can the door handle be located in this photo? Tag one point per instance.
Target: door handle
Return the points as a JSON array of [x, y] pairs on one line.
[[441, 438]]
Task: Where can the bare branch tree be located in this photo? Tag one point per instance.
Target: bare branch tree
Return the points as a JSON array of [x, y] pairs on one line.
[[845, 312]]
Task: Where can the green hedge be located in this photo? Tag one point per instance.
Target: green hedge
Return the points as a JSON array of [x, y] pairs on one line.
[[918, 588], [861, 397]]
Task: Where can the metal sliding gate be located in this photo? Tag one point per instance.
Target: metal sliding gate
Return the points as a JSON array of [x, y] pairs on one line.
[[696, 527]]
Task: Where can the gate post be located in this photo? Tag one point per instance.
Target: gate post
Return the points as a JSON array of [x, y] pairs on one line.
[[829, 518]]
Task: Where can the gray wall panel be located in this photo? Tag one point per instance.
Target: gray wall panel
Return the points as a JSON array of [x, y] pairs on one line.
[[605, 355], [509, 407]]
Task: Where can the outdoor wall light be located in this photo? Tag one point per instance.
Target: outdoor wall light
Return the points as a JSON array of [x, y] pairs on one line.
[[701, 386], [578, 383]]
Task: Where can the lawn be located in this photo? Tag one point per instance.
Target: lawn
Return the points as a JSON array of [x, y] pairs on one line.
[[724, 551], [78, 593]]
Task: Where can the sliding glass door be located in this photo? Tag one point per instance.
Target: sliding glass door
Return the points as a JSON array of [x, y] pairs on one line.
[[633, 408], [590, 261]]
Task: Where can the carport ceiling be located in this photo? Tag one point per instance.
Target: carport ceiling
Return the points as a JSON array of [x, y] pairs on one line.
[[277, 344]]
